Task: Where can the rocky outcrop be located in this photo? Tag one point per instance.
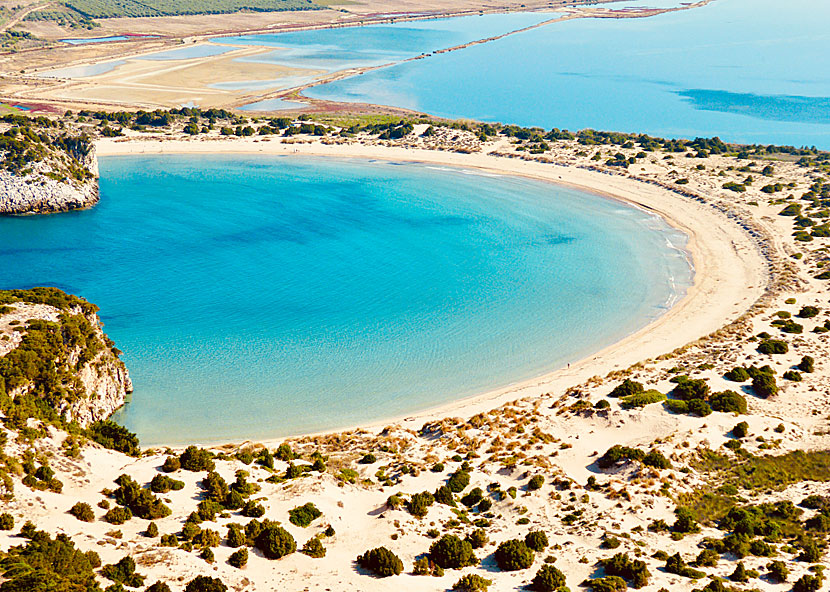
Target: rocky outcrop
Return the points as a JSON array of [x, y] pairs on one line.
[[39, 193], [93, 381]]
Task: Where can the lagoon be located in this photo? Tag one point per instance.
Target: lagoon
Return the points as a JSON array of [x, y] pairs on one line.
[[734, 68], [264, 296]]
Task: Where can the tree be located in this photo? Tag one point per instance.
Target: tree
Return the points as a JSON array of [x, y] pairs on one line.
[[123, 572], [275, 542], [314, 548], [740, 430], [450, 552], [381, 561], [304, 515], [115, 437], [513, 555]]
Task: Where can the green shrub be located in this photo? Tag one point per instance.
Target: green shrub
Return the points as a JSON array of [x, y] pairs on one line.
[[196, 460], [477, 538], [619, 453], [548, 579], [535, 482], [458, 481], [314, 548], [123, 572], [304, 515], [140, 501], [275, 542], [808, 312], [656, 459], [677, 406], [118, 515], [381, 561], [778, 571], [443, 495], [419, 503], [83, 512], [171, 464], [205, 584], [46, 564], [450, 552], [215, 487], [741, 430], [158, 587], [239, 558], [642, 399], [152, 530], [806, 364], [810, 551], [368, 459], [737, 374], [685, 521], [621, 565], [113, 436], [6, 521], [764, 385], [472, 583], [676, 565], [252, 509], [513, 555], [791, 375], [626, 388], [536, 540], [162, 484], [773, 346], [728, 402], [473, 497], [607, 584], [688, 389], [808, 583]]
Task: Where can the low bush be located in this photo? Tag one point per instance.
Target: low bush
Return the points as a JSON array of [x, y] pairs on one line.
[[162, 484], [778, 571], [513, 555], [535, 482], [83, 512], [741, 430], [118, 515], [791, 375], [808, 312], [728, 402], [656, 459], [764, 385], [606, 584], [196, 459], [642, 399], [123, 572], [419, 503], [808, 583], [536, 540], [275, 542], [676, 565], [205, 584], [6, 521], [626, 388], [473, 497], [806, 364], [314, 548], [618, 453], [634, 571], [171, 464], [472, 583], [458, 481], [548, 579], [477, 538], [304, 515], [688, 389], [381, 561], [737, 374], [773, 346], [450, 552], [110, 435]]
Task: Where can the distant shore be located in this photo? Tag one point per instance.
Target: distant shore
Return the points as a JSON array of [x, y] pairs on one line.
[[730, 271]]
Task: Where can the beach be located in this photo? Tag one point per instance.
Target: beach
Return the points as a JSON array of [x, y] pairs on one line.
[[730, 273]]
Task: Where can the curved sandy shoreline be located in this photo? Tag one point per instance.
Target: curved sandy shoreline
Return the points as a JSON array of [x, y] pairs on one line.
[[730, 271]]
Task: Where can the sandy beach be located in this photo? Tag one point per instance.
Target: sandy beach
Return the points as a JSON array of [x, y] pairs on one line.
[[730, 272]]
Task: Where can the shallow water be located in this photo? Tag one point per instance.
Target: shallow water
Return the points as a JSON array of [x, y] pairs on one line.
[[267, 296], [745, 70]]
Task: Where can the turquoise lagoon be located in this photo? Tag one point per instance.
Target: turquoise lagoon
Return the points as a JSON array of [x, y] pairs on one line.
[[266, 296], [745, 70]]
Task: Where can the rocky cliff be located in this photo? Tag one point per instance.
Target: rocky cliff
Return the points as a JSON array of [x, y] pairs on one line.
[[42, 172], [53, 350]]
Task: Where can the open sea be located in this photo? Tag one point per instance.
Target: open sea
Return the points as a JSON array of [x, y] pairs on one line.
[[263, 296]]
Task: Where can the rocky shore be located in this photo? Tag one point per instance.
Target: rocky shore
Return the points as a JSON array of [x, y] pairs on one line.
[[40, 192]]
